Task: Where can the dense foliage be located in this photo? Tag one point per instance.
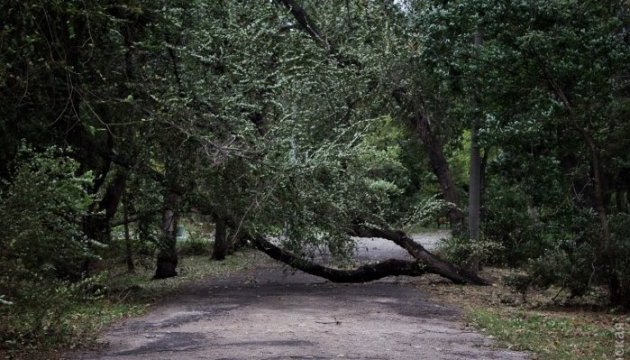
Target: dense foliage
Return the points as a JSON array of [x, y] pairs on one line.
[[302, 124]]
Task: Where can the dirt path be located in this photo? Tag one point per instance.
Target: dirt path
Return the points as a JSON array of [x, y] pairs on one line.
[[269, 313]]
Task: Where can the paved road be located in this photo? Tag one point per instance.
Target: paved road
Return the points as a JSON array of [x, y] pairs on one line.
[[376, 248], [270, 313]]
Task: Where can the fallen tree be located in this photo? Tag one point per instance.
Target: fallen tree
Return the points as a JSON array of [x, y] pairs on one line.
[[425, 261], [433, 264], [364, 273]]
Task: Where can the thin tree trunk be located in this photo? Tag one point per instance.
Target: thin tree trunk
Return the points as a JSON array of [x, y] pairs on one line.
[[167, 256], [482, 191], [620, 198], [220, 240], [474, 184], [606, 251], [474, 189], [598, 195], [128, 248], [97, 225]]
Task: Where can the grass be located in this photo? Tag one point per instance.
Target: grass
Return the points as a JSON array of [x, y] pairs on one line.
[[550, 335], [547, 329], [78, 322], [189, 269]]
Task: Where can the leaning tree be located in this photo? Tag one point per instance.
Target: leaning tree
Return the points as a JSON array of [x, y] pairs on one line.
[[269, 120]]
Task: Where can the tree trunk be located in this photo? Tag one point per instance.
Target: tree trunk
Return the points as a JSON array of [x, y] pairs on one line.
[[474, 189], [482, 190], [128, 248], [474, 184], [432, 144], [310, 27], [439, 164], [220, 248], [237, 239], [167, 257], [97, 226], [620, 199], [616, 292], [144, 235]]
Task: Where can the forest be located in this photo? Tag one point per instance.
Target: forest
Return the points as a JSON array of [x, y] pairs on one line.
[[294, 127]]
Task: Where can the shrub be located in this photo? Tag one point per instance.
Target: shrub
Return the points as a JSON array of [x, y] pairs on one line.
[[40, 315], [42, 244], [507, 222], [45, 203], [574, 259]]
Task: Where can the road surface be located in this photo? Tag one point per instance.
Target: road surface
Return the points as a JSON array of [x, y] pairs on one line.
[[272, 313]]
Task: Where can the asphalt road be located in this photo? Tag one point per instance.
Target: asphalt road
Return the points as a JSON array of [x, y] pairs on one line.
[[272, 313]]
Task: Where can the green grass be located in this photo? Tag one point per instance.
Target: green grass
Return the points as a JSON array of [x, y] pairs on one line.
[[189, 269], [548, 335]]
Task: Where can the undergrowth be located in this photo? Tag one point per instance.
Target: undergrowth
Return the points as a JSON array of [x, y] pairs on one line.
[[63, 316], [550, 324]]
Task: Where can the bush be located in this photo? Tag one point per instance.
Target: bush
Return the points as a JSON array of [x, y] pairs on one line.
[[508, 223], [575, 261], [40, 315], [45, 202], [42, 244], [568, 264]]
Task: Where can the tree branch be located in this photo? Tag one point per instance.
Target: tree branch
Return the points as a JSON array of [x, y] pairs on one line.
[[308, 25], [432, 263]]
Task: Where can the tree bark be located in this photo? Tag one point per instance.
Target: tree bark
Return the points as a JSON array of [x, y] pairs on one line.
[[98, 225], [439, 164], [474, 183], [220, 248], [128, 249], [167, 256]]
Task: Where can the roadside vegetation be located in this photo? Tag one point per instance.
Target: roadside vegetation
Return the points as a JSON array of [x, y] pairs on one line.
[[69, 319], [54, 318], [549, 323]]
